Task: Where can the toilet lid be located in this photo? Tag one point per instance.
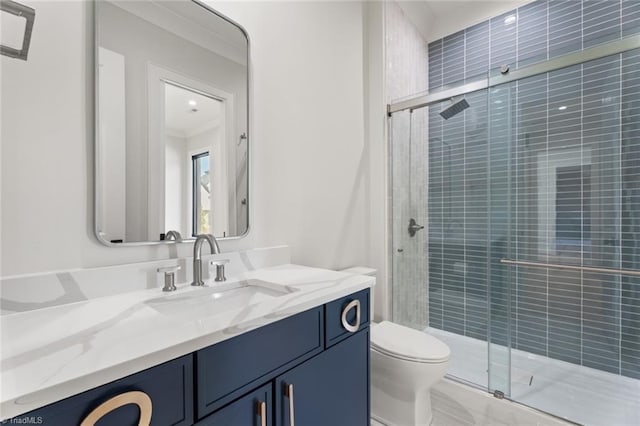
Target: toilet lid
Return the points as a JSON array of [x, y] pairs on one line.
[[405, 343]]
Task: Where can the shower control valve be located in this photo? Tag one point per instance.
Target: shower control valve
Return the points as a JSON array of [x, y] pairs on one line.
[[414, 227]]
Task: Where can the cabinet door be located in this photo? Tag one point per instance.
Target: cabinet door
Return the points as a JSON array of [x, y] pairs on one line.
[[352, 310], [230, 369], [169, 386], [329, 389], [254, 409]]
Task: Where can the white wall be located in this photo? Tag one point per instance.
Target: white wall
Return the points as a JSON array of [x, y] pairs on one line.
[[310, 171], [309, 160], [439, 18], [377, 149], [176, 185]]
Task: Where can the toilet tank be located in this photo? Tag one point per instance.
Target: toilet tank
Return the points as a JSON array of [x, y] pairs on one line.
[[363, 270]]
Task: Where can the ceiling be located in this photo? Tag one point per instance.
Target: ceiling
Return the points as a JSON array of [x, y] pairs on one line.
[[193, 23], [436, 19], [184, 119]]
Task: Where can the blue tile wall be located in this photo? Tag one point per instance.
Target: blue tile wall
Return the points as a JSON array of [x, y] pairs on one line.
[[594, 108], [532, 33], [630, 286], [600, 22], [630, 17], [476, 56], [503, 39], [535, 32], [435, 64], [453, 61]]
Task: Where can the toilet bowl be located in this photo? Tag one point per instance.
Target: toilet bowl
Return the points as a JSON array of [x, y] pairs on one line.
[[405, 364]]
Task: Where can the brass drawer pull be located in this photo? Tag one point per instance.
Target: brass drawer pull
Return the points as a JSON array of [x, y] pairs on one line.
[[141, 399], [351, 327], [262, 412], [288, 391]]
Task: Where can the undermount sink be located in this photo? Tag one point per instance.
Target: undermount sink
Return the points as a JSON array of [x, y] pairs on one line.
[[219, 297]]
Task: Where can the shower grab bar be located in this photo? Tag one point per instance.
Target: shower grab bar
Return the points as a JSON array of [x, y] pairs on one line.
[[631, 272]]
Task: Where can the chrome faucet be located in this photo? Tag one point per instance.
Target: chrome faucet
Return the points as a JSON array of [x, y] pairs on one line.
[[197, 257]]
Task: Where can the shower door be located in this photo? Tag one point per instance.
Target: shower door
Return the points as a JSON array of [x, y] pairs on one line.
[[528, 265], [439, 171], [564, 187]]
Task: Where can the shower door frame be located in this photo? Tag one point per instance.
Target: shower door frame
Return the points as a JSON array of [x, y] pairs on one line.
[[504, 75]]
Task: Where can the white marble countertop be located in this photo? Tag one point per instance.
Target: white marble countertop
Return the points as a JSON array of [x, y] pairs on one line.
[[52, 353]]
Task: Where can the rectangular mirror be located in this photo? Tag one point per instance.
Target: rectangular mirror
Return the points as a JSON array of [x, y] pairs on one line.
[[171, 122]]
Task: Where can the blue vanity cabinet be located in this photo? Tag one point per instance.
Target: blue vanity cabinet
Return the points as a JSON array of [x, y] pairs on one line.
[[168, 387], [322, 382], [329, 389], [230, 369]]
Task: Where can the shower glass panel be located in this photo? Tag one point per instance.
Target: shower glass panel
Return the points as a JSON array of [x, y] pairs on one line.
[[458, 241], [500, 199], [564, 187], [529, 265], [532, 241]]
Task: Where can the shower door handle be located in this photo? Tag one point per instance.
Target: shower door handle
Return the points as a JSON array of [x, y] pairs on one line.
[[414, 227]]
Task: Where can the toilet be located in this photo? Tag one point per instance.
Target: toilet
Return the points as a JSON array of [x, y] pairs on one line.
[[405, 364]]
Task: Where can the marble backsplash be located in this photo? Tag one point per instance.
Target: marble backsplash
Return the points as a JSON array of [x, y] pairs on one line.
[[38, 291]]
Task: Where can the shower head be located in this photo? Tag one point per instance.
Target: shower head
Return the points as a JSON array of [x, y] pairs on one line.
[[455, 108]]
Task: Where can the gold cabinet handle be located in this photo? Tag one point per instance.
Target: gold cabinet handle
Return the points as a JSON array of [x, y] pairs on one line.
[[288, 391], [262, 412], [351, 327], [141, 399]]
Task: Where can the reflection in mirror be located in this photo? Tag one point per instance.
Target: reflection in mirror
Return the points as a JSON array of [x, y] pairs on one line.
[[194, 130], [171, 145]]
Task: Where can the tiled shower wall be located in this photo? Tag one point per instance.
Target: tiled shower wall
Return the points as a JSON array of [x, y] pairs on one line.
[[532, 33], [406, 74], [484, 185]]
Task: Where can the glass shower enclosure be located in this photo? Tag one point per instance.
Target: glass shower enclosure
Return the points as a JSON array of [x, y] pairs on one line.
[[528, 265]]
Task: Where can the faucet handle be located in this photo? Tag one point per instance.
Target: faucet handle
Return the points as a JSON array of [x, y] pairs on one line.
[[169, 277], [219, 264]]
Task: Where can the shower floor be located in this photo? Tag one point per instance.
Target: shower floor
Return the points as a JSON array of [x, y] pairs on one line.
[[580, 394]]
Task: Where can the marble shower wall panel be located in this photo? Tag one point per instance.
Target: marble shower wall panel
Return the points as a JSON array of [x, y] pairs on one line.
[[407, 74]]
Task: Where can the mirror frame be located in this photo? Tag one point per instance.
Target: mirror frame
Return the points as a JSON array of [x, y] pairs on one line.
[[96, 161]]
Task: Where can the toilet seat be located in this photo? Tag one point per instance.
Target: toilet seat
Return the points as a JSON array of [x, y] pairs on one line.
[[404, 343]]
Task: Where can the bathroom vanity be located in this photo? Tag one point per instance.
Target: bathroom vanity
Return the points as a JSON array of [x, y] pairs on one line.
[[264, 358]]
